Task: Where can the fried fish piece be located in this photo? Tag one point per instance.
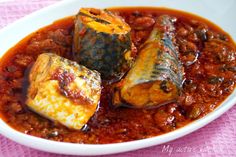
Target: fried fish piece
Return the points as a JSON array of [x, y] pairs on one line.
[[63, 91], [157, 74], [102, 41]]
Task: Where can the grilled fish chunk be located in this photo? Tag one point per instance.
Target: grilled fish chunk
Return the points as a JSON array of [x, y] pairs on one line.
[[102, 41], [63, 91], [157, 75]]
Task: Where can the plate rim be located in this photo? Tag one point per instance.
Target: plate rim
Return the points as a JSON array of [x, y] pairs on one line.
[[104, 149]]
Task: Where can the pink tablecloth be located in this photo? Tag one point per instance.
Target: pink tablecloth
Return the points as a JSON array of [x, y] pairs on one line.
[[216, 139]]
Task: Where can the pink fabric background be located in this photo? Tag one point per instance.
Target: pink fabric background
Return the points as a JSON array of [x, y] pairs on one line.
[[216, 139]]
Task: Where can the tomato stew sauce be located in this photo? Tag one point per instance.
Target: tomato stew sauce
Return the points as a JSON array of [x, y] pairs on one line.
[[208, 55]]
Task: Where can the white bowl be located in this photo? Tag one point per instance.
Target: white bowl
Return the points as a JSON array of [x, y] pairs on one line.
[[220, 12]]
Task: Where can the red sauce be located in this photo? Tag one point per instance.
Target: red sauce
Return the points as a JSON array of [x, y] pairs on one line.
[[207, 52]]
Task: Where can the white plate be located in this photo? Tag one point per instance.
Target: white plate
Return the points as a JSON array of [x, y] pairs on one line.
[[220, 12]]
